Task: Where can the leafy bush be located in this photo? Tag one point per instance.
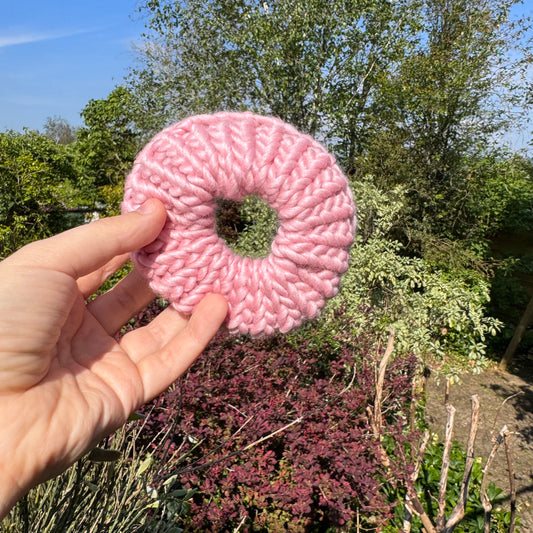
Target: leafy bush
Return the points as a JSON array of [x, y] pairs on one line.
[[274, 438], [437, 306], [432, 310], [37, 179], [501, 197]]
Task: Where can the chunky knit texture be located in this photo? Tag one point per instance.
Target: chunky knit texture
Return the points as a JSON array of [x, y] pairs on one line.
[[231, 155]]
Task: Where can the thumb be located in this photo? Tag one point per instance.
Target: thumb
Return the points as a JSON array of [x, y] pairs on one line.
[[82, 250]]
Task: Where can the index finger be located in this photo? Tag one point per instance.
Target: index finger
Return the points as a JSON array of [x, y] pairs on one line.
[[82, 250]]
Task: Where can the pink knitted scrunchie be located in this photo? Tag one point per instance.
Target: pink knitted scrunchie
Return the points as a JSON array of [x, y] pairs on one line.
[[231, 155]]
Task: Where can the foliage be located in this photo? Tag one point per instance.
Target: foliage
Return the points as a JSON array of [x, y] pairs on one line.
[[503, 204], [437, 308], [412, 85], [434, 312], [107, 147], [247, 227], [499, 200], [37, 182], [311, 63], [276, 438], [411, 92], [436, 116]]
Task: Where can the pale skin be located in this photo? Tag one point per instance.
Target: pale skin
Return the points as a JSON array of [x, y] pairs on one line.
[[65, 383]]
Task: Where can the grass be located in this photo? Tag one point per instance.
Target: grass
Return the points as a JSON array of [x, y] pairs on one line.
[[105, 492]]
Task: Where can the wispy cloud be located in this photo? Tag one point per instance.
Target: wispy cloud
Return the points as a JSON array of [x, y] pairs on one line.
[[26, 37]]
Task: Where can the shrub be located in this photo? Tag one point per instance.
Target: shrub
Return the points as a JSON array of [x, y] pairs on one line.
[[274, 438], [434, 310], [37, 183]]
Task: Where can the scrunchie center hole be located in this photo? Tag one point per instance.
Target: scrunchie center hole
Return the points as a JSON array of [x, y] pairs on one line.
[[247, 227]]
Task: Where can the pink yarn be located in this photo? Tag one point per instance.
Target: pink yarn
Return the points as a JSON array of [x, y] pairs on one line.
[[231, 155]]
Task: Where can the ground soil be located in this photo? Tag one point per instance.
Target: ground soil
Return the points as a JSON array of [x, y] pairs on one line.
[[506, 398]]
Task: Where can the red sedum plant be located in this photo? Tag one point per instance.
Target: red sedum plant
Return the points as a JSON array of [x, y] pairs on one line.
[[278, 438]]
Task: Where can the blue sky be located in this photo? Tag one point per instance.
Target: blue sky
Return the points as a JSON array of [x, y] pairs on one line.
[[57, 55]]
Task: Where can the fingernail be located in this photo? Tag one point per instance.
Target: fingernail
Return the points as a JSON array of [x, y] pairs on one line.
[[146, 208]]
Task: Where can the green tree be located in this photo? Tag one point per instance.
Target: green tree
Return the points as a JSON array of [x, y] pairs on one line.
[[437, 115], [311, 63], [107, 146], [37, 183], [410, 91], [59, 130]]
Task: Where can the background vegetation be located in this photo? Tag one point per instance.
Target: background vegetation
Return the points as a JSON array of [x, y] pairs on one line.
[[411, 96]]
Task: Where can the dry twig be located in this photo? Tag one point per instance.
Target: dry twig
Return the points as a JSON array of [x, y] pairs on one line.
[[458, 511], [379, 384], [487, 506], [512, 485], [408, 514], [450, 409], [412, 502]]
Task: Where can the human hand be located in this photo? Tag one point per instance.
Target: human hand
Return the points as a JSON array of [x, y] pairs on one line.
[[65, 382]]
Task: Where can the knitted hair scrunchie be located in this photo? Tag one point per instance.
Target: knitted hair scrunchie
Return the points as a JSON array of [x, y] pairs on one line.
[[231, 155]]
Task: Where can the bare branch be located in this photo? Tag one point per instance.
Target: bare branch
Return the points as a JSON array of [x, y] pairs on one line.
[[420, 457], [512, 486], [487, 506], [498, 412], [412, 502], [416, 507], [408, 514], [445, 466], [379, 383], [458, 512]]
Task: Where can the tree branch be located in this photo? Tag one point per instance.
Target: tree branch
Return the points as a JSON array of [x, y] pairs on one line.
[[408, 514], [379, 384], [412, 502], [487, 506], [445, 467], [512, 485], [459, 510]]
